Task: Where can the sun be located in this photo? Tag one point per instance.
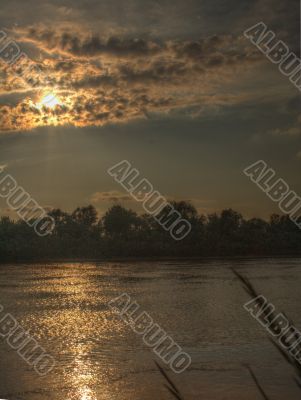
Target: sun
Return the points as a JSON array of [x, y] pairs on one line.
[[50, 101]]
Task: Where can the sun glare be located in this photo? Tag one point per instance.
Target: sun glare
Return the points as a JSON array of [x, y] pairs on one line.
[[49, 101]]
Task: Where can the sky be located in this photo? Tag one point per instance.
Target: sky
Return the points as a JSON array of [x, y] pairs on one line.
[[172, 86]]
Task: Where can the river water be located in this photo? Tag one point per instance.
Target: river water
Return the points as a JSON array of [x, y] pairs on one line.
[[99, 357]]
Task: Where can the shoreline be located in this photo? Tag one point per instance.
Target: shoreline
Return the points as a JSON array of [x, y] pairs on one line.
[[147, 259]]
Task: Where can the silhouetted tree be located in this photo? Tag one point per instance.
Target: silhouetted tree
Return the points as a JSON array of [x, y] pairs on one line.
[[119, 222], [124, 233]]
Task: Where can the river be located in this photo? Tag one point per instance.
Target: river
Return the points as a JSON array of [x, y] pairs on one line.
[[98, 357]]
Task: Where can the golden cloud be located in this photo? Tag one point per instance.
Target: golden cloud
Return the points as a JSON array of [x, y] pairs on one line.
[[113, 80]]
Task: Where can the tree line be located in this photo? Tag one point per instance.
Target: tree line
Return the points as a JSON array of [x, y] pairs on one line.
[[121, 232]]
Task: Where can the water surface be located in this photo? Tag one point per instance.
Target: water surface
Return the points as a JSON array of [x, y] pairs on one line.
[[199, 304]]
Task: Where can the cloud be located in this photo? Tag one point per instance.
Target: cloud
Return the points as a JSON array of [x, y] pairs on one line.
[[114, 79], [89, 46], [293, 130], [113, 196], [214, 50]]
